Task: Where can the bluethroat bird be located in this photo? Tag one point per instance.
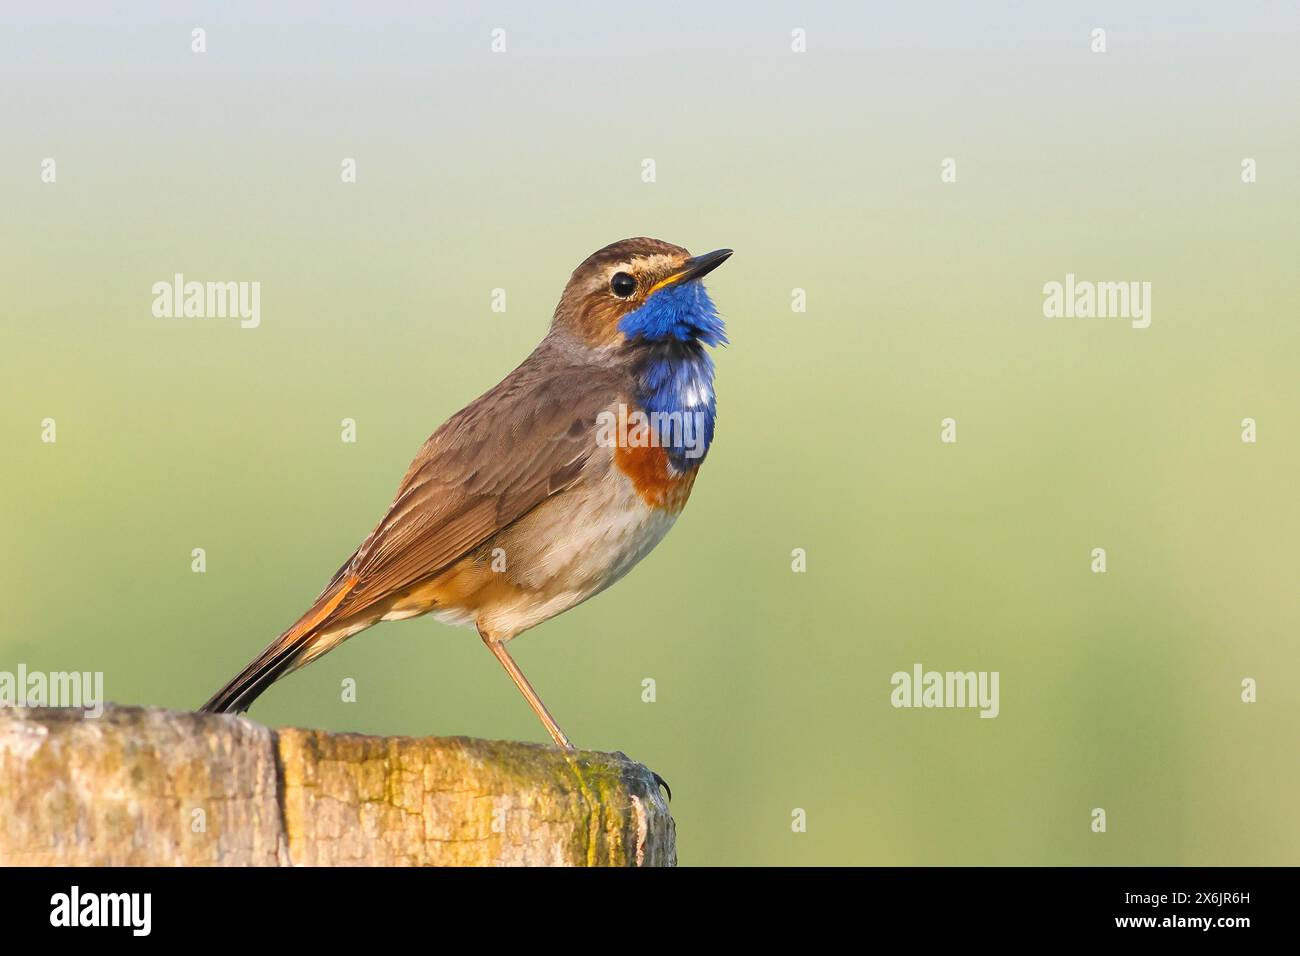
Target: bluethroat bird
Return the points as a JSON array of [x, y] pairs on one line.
[[548, 488]]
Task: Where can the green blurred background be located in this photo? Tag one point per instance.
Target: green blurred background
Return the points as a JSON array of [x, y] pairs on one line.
[[479, 170]]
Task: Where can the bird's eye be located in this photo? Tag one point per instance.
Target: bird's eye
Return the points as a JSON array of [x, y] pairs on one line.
[[622, 285]]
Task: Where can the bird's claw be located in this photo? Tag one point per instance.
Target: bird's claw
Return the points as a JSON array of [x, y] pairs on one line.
[[660, 781]]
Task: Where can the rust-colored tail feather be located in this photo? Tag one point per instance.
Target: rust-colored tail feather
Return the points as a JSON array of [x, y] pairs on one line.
[[281, 656]]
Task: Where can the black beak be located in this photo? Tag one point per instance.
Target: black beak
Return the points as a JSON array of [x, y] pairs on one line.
[[694, 268], [697, 266]]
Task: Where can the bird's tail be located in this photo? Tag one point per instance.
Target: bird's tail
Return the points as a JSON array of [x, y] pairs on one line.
[[295, 647]]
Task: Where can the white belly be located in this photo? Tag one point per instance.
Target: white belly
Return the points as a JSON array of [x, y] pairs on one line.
[[572, 547]]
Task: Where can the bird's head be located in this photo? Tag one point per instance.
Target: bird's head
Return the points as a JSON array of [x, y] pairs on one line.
[[641, 291]]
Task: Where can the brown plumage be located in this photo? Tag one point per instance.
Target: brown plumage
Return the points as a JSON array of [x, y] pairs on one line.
[[490, 463], [527, 442]]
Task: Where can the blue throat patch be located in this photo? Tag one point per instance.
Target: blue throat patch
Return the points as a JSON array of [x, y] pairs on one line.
[[683, 312], [676, 373]]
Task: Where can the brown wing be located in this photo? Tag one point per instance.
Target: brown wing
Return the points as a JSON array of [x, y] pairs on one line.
[[490, 464]]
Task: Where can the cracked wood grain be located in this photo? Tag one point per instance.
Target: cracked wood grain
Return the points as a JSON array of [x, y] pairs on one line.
[[143, 786]]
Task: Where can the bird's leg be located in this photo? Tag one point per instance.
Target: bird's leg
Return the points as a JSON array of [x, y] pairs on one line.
[[498, 649]]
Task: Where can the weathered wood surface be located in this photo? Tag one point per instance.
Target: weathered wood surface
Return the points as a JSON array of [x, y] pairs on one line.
[[143, 786]]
